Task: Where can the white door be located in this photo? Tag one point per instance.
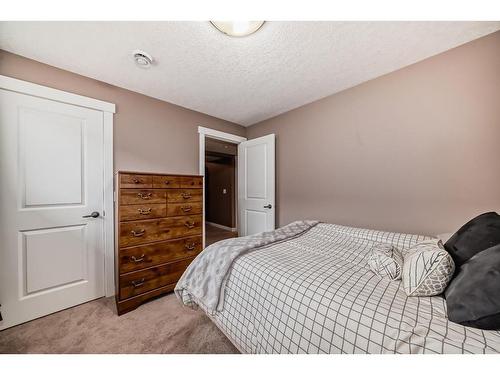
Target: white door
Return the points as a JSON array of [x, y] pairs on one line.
[[51, 177], [256, 186]]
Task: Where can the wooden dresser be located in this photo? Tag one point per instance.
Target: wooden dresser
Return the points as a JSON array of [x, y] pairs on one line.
[[159, 232]]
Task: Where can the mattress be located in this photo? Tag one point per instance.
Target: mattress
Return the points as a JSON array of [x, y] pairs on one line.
[[315, 294]]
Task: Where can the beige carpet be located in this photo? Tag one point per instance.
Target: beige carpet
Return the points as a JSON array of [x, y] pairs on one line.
[[160, 326]]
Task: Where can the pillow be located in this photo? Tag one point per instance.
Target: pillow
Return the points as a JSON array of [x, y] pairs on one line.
[[473, 237], [427, 269], [386, 261], [473, 296]]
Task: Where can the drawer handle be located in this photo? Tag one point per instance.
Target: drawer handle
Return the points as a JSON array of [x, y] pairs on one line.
[[186, 195], [144, 195], [167, 182], [190, 246], [192, 182], [137, 181], [139, 233], [189, 224], [186, 208], [138, 283], [144, 211], [138, 260]]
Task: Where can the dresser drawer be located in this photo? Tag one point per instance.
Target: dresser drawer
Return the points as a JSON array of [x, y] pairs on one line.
[[179, 209], [138, 181], [141, 196], [185, 226], [192, 182], [145, 231], [142, 211], [129, 304], [139, 257], [134, 283], [166, 182], [184, 195]]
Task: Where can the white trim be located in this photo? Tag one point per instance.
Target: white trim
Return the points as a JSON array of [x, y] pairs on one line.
[[228, 137], [222, 136], [109, 221], [221, 226], [201, 165], [24, 87]]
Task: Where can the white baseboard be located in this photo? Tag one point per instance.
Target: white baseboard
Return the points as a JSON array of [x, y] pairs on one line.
[[221, 226]]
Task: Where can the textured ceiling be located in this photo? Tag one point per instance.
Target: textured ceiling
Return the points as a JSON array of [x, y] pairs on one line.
[[245, 80]]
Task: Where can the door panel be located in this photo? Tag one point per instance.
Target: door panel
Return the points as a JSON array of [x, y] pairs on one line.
[[48, 178], [256, 185], [54, 257], [256, 171], [51, 166], [256, 221]]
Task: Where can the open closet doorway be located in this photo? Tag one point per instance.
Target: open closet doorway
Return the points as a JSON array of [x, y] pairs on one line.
[[220, 190], [254, 183], [218, 163]]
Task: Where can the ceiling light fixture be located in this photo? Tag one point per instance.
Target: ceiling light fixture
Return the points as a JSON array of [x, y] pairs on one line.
[[237, 28], [142, 59]]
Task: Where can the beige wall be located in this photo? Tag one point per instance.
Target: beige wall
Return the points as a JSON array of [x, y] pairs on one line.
[[149, 134], [417, 150]]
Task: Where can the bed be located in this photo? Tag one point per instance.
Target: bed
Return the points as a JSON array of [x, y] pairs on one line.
[[314, 293]]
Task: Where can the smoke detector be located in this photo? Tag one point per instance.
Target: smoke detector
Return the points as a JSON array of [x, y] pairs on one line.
[[142, 59]]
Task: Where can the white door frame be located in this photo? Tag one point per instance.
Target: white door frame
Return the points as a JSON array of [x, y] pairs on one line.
[[108, 109], [222, 136]]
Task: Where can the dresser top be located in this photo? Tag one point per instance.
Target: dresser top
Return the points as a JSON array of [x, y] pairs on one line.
[[159, 174]]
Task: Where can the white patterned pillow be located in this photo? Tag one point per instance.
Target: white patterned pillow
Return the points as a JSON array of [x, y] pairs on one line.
[[386, 261], [427, 269]]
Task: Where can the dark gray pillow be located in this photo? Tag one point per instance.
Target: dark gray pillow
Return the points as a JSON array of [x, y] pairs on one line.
[[473, 237], [473, 296]]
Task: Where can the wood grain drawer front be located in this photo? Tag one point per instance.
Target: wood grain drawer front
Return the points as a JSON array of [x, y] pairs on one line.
[[166, 182], [142, 196], [142, 211], [192, 182], [134, 283], [185, 226], [138, 181], [184, 195], [179, 209], [129, 304], [139, 257], [145, 231]]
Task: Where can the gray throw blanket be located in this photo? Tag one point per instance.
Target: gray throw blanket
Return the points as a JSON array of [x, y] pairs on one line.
[[203, 281]]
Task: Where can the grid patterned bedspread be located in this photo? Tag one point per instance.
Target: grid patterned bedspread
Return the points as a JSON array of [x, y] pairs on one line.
[[316, 294]]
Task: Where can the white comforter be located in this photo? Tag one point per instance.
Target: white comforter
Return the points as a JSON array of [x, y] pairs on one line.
[[203, 282], [315, 294]]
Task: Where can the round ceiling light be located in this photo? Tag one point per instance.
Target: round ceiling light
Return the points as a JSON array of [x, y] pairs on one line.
[[142, 59], [237, 28]]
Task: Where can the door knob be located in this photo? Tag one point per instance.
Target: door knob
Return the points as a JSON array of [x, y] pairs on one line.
[[268, 206], [92, 215]]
